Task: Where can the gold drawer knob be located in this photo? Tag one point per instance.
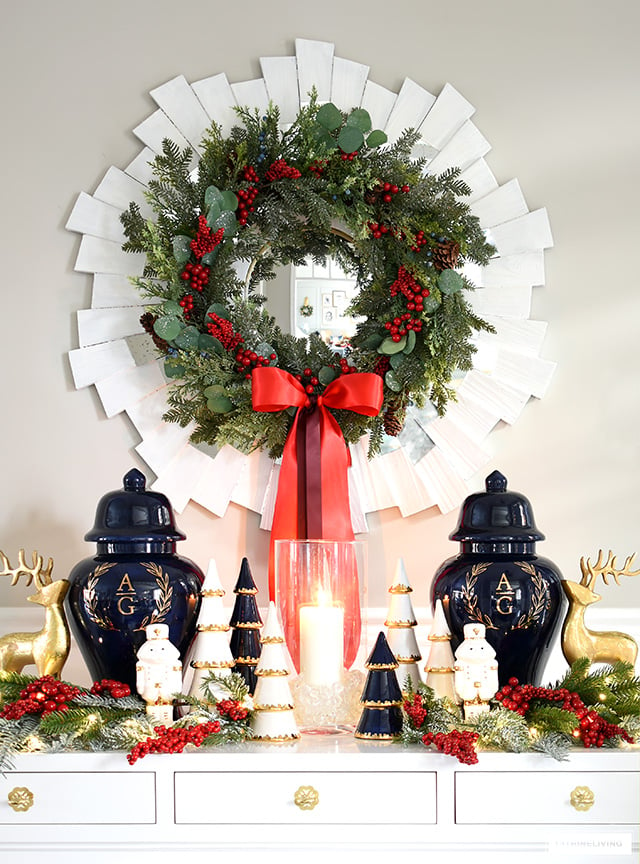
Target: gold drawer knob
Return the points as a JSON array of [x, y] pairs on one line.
[[582, 798], [20, 799], [306, 797]]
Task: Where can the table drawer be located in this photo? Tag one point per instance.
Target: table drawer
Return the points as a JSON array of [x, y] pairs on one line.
[[77, 797], [286, 797], [549, 797]]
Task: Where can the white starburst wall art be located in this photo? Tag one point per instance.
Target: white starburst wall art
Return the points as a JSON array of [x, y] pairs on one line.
[[429, 464]]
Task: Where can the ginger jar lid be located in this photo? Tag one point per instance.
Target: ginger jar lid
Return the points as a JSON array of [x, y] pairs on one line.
[[134, 515], [496, 516]]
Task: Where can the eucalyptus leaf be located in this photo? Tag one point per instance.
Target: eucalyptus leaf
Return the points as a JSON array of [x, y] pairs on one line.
[[170, 307], [226, 220], [371, 342], [329, 117], [411, 342], [389, 347], [214, 390], [213, 213], [264, 349], [324, 138], [350, 139], [181, 248], [220, 310], [220, 404], [430, 303], [326, 375], [209, 257], [229, 201], [360, 118], [209, 343], [173, 369], [376, 138], [188, 338], [396, 360], [392, 381], [213, 195], [167, 327], [450, 281]]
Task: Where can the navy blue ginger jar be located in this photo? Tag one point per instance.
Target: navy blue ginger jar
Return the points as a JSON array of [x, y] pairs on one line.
[[499, 581], [136, 579]]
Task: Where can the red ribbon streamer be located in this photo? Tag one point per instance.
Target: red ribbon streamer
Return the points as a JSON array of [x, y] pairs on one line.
[[313, 492]]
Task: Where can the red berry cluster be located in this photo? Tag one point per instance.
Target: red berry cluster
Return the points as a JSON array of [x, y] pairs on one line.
[[420, 241], [378, 229], [222, 330], [455, 743], [232, 709], [42, 696], [186, 301], [247, 196], [383, 364], [311, 380], [388, 191], [592, 730], [415, 296], [348, 157], [109, 687], [197, 275], [415, 710], [346, 368], [173, 739], [318, 166], [248, 360], [280, 170], [205, 240]]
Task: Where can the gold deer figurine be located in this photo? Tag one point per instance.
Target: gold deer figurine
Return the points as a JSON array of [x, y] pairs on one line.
[[577, 640], [48, 648]]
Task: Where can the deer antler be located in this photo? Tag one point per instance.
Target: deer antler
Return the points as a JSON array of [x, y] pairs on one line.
[[42, 577], [590, 572]]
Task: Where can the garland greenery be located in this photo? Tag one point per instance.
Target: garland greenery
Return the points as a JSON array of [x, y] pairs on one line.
[[588, 708], [327, 186], [46, 715]]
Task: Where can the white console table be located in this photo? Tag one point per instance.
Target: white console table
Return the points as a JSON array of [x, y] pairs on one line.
[[374, 802]]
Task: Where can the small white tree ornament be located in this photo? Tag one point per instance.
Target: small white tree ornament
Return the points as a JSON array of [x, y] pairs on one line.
[[272, 717], [210, 651], [439, 666], [158, 673], [476, 671], [401, 623]]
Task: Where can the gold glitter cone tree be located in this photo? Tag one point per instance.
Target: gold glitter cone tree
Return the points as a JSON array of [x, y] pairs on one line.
[[210, 651], [440, 662], [401, 623], [272, 718]]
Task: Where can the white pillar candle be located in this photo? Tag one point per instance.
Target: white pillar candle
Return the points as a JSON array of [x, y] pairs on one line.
[[321, 643]]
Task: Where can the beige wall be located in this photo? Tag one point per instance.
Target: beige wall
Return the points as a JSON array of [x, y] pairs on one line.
[[556, 87]]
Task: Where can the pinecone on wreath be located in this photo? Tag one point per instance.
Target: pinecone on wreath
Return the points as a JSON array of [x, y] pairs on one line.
[[445, 255], [393, 419], [148, 320]]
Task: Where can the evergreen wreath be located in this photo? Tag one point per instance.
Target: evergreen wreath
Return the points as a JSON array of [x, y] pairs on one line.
[[260, 198]]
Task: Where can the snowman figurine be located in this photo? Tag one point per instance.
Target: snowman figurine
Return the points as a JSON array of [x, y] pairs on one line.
[[475, 671], [158, 673]]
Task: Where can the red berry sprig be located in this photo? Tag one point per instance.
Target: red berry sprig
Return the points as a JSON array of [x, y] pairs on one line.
[[383, 364], [247, 195], [348, 157], [42, 696], [248, 360], [378, 229], [232, 709], [318, 167], [222, 329], [415, 710], [593, 730], [186, 301], [280, 170], [197, 275], [205, 240], [420, 240], [455, 743], [115, 689], [173, 739]]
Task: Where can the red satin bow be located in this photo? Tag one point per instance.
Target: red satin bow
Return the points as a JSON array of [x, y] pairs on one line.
[[313, 491]]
